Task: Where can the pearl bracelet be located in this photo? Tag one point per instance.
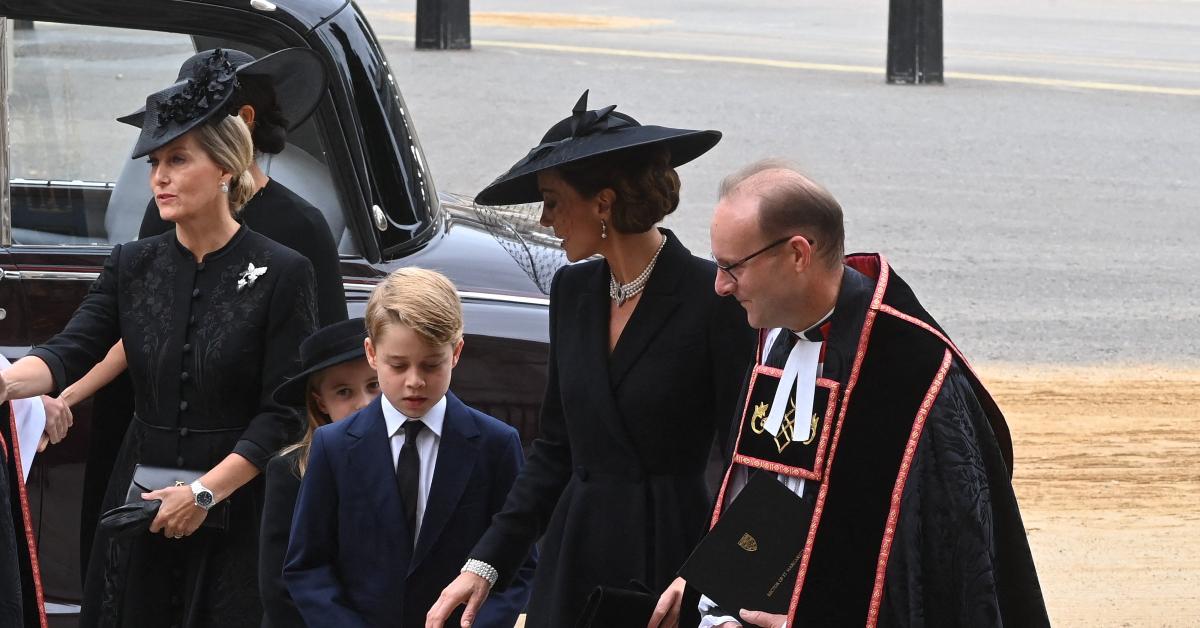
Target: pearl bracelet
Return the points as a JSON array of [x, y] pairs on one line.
[[481, 569]]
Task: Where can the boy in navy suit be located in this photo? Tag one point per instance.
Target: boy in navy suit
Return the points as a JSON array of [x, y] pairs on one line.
[[397, 494]]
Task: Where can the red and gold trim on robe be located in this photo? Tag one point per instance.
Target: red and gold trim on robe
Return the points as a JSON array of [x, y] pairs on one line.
[[18, 509], [865, 447]]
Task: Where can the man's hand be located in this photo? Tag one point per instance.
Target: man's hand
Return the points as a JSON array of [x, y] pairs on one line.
[[58, 419], [763, 620], [666, 612], [468, 589]]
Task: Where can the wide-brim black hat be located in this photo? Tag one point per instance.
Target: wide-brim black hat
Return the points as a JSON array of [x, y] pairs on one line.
[[329, 346], [587, 134], [202, 90]]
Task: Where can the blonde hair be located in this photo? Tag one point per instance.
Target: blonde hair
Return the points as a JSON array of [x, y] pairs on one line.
[[316, 418], [228, 142], [423, 300]]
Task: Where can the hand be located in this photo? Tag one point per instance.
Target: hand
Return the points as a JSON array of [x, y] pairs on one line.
[[666, 612], [178, 516], [765, 620], [467, 588], [58, 419]]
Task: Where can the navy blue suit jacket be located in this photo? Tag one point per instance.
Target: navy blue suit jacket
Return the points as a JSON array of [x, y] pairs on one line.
[[348, 562]]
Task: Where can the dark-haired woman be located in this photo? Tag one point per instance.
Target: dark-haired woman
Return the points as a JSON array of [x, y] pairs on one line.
[[210, 315], [645, 360]]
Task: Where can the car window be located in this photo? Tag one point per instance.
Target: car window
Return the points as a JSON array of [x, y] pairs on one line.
[[72, 181], [67, 85]]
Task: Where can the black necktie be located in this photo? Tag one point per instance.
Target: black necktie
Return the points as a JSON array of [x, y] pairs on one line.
[[408, 471]]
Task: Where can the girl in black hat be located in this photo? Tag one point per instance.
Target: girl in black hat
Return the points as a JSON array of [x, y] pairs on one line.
[[645, 361], [334, 382], [210, 316]]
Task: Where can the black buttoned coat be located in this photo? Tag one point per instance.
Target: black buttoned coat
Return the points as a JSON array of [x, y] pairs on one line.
[[614, 485], [204, 357]]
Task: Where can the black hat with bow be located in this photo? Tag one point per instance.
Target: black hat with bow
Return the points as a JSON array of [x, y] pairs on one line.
[[585, 134], [207, 83]]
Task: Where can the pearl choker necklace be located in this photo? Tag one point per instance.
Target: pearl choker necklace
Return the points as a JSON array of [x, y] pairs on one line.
[[624, 292]]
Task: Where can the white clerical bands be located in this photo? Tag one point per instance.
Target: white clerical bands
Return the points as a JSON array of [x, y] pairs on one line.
[[481, 569]]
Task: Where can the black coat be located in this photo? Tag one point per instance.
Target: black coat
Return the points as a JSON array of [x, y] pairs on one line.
[[285, 217], [204, 358], [283, 485], [614, 484]]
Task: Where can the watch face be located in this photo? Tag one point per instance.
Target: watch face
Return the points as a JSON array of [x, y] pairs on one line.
[[204, 499]]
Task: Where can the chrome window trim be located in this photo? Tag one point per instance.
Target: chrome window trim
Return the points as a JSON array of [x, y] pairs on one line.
[[350, 288], [5, 204]]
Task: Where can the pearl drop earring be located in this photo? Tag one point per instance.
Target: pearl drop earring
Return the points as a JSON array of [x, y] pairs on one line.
[[603, 229], [224, 187]]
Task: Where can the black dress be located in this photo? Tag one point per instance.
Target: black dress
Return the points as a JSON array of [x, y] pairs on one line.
[[285, 217], [615, 483], [283, 485], [204, 357]]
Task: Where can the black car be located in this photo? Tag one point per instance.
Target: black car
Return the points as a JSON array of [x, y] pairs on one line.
[[69, 192]]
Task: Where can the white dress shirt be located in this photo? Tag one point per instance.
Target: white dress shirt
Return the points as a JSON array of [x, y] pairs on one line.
[[427, 447], [738, 479]]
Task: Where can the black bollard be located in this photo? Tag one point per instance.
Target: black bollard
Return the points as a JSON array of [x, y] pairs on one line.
[[914, 41], [443, 24]]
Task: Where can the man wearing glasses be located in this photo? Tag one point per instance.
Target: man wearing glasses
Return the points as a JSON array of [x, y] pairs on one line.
[[903, 468]]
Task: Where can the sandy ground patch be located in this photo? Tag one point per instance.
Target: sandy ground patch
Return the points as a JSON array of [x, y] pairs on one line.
[[1108, 478]]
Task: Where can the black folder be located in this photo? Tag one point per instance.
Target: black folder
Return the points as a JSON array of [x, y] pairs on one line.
[[750, 558]]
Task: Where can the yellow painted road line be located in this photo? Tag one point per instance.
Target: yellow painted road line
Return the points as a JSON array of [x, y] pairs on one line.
[[827, 67]]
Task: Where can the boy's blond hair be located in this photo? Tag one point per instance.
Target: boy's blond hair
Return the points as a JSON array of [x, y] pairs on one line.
[[423, 300]]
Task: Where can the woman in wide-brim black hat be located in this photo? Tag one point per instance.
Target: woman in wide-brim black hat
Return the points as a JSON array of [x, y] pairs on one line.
[[645, 361], [334, 381], [210, 316]]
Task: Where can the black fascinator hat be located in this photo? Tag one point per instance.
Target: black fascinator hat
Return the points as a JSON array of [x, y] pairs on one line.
[[587, 133], [206, 86]]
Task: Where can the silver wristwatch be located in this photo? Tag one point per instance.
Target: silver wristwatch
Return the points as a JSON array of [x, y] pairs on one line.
[[204, 497]]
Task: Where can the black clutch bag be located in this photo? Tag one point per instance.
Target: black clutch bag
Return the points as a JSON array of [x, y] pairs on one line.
[[137, 514], [616, 606]]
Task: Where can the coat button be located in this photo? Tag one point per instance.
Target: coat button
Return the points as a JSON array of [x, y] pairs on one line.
[[200, 266], [182, 406], [192, 319], [196, 293], [179, 463], [183, 377], [187, 347], [183, 431]]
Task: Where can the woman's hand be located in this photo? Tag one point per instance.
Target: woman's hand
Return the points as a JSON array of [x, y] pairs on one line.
[[666, 612], [58, 419], [178, 516], [468, 589]]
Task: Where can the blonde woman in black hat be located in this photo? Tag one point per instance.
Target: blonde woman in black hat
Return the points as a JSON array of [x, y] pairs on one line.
[[210, 316], [274, 94], [334, 382], [644, 362]]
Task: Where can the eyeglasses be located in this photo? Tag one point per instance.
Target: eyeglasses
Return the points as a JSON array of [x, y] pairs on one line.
[[729, 268]]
